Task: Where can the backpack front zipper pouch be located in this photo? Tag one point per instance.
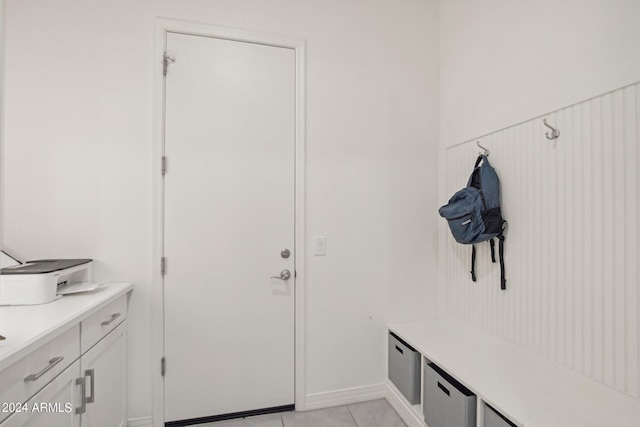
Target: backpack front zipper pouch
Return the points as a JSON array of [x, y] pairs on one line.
[[463, 214]]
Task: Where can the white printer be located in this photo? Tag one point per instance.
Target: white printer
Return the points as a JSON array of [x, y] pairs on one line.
[[41, 281]]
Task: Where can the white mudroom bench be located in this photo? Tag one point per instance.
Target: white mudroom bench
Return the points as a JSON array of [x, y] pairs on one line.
[[526, 388]]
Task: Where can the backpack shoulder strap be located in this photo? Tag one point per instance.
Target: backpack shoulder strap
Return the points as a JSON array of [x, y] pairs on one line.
[[474, 178], [493, 250], [473, 263], [503, 281]]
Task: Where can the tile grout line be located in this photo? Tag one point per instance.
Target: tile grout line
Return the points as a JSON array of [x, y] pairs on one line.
[[351, 413]]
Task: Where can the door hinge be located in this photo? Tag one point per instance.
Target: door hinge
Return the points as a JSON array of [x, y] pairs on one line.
[[164, 165], [166, 60], [163, 265], [163, 366]]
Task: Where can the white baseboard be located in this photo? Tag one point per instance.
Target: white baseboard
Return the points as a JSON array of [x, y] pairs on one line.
[[140, 422], [408, 414], [344, 397]]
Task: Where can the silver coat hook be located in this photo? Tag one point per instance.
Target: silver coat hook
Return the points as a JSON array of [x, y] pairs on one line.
[[484, 152], [554, 132]]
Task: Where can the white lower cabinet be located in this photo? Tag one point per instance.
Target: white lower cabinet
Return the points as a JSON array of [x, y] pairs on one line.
[[89, 393], [77, 379], [53, 406], [103, 367]]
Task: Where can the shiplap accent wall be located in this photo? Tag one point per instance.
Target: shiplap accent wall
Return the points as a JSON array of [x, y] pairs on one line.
[[572, 244]]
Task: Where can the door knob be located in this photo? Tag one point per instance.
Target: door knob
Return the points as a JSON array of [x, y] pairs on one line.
[[284, 275]]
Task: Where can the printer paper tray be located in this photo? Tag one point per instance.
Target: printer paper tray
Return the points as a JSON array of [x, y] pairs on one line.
[[75, 288]]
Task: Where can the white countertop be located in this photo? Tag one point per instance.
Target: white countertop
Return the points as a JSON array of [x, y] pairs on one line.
[[27, 327], [524, 386]]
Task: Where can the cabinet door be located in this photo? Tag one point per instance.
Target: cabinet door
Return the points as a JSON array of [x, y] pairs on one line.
[[53, 406], [105, 371]]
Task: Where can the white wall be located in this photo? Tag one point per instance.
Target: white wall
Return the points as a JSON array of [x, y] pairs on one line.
[[79, 142], [505, 61], [1, 121], [572, 205]]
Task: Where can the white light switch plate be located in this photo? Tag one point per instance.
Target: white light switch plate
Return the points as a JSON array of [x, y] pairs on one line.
[[319, 246]]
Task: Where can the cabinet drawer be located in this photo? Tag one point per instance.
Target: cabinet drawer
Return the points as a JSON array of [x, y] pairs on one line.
[[28, 375], [102, 322], [54, 405]]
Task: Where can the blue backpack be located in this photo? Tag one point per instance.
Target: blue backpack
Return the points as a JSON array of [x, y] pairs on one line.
[[474, 216]]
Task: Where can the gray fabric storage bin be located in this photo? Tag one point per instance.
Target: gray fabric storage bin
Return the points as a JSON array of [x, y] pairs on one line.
[[446, 402], [404, 368], [493, 418]]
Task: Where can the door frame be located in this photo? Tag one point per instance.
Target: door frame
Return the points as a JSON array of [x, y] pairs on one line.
[[164, 26]]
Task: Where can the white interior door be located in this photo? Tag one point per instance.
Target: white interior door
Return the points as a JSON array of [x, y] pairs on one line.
[[229, 212]]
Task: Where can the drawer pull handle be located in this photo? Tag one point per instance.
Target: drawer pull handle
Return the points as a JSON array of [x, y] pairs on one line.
[[443, 388], [83, 384], [113, 317], [400, 350], [91, 374], [53, 362]]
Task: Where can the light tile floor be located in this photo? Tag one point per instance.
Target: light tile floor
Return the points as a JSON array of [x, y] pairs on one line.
[[374, 413]]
